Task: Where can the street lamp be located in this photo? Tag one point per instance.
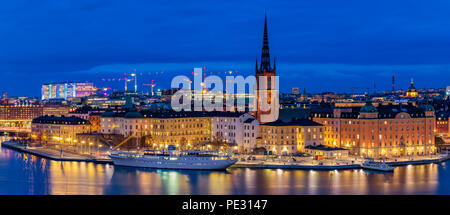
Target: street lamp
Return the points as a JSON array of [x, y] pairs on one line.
[[82, 144], [90, 144]]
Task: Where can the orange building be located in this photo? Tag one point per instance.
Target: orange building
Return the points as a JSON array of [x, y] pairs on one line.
[[94, 119], [442, 122], [16, 118], [389, 130]]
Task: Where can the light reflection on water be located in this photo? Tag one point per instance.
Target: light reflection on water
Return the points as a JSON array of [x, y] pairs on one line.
[[28, 174]]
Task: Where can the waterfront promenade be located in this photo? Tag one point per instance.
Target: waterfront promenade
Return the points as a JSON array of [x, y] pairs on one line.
[[55, 154], [352, 162], [261, 162]]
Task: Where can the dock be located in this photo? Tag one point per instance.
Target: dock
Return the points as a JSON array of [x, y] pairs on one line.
[[295, 166], [304, 166], [54, 154]]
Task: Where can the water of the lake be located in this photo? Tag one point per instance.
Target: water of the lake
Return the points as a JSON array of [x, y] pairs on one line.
[[27, 174]]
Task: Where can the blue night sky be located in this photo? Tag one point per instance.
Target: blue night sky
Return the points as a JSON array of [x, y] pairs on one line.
[[319, 45]]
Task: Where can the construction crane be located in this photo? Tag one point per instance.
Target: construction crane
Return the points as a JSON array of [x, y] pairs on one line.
[[135, 80], [153, 84]]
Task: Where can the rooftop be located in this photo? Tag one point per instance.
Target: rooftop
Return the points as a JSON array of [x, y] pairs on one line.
[[324, 148], [60, 120], [300, 122]]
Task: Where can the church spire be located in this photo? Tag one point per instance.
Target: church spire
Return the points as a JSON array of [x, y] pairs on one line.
[[274, 63], [265, 57]]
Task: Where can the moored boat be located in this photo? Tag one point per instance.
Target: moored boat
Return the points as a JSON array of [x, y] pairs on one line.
[[371, 164], [174, 159]]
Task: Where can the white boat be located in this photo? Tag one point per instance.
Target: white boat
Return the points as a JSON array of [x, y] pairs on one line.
[[174, 159], [371, 164]]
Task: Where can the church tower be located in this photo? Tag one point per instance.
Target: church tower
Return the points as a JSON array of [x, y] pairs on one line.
[[412, 92], [264, 69]]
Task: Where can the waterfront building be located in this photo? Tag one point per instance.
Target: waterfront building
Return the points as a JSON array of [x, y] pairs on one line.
[[58, 130], [285, 138], [186, 129], [110, 121], [251, 133], [231, 128], [321, 151], [17, 118], [386, 130], [94, 119], [183, 129], [67, 90]]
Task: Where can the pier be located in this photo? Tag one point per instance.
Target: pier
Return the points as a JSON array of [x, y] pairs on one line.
[[54, 154]]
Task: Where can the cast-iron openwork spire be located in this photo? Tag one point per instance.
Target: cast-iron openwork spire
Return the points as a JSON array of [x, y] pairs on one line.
[[265, 57]]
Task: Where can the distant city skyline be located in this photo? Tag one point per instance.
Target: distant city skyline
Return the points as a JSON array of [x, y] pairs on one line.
[[326, 46]]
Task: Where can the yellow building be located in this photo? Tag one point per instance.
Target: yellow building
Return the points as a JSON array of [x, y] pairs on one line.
[[322, 151], [17, 118], [412, 92], [285, 138], [183, 129], [58, 130]]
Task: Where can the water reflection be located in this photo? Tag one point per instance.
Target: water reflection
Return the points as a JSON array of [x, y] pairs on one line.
[[27, 174], [127, 180]]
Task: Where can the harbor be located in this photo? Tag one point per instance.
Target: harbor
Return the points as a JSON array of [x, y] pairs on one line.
[[25, 174], [260, 163]]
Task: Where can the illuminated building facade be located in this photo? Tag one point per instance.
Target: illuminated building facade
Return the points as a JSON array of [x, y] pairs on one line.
[[56, 110], [322, 151], [67, 90], [183, 129], [238, 129], [442, 122], [285, 138], [389, 130], [251, 133], [412, 92], [94, 119], [18, 117], [58, 130]]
